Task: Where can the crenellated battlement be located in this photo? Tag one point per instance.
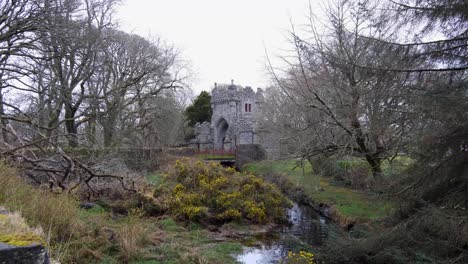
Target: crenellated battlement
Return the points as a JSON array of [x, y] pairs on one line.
[[222, 93], [234, 119]]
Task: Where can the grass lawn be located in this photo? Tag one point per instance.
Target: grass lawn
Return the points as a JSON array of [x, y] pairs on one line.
[[348, 202], [216, 156], [167, 241], [192, 244]]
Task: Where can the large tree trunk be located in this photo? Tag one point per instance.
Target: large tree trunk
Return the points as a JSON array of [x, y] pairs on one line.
[[70, 125], [41, 114], [376, 167], [109, 129], [108, 136], [3, 121], [92, 132], [360, 138], [53, 114]]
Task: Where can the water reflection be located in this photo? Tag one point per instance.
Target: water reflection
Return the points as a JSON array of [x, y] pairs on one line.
[[307, 229], [264, 254]]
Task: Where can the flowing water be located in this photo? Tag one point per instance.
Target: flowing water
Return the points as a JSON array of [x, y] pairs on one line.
[[307, 230]]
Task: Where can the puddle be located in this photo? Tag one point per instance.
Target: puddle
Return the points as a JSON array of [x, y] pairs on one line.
[[306, 231]]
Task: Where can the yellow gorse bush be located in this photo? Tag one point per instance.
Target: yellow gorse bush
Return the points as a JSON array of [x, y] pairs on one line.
[[301, 257], [192, 190]]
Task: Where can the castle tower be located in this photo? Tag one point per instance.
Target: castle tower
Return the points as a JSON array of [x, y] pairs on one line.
[[234, 111], [233, 123]]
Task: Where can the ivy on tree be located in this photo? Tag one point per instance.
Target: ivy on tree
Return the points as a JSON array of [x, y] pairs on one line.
[[200, 109]]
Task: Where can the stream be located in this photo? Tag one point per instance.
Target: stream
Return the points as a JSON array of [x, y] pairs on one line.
[[307, 230]]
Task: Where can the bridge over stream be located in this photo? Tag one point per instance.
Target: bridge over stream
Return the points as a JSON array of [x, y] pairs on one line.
[[237, 157]]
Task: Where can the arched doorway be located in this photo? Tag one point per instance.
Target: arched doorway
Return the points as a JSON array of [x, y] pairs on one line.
[[221, 129]]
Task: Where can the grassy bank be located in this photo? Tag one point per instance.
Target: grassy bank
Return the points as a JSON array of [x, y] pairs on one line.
[[347, 202], [215, 157], [97, 235], [159, 240]]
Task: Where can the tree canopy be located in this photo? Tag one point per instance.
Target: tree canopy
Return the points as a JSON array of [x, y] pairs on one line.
[[200, 109]]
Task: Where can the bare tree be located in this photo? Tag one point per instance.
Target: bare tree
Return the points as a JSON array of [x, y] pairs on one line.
[[73, 37], [346, 108], [71, 69], [18, 22], [163, 122], [133, 69]]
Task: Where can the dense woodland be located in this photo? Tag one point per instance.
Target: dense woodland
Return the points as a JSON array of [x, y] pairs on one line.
[[380, 81], [374, 81], [70, 74], [71, 79]]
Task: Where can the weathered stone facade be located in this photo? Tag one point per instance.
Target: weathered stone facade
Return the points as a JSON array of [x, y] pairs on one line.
[[14, 230], [236, 110]]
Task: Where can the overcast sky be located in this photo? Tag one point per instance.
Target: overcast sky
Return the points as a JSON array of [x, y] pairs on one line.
[[222, 39]]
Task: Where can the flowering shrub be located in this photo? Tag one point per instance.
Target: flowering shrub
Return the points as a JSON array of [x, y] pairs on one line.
[[302, 257], [193, 190]]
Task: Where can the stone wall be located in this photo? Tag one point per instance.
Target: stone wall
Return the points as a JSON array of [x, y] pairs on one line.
[[203, 136]]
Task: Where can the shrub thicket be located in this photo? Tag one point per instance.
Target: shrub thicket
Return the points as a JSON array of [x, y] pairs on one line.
[[194, 190], [55, 213]]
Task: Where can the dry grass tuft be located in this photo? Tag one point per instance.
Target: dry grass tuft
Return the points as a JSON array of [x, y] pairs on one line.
[[15, 231], [56, 214], [15, 223], [131, 238]]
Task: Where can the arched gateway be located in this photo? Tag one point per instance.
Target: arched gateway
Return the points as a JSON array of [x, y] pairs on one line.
[[235, 112], [221, 134]]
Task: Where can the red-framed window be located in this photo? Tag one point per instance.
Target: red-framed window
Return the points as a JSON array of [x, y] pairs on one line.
[[248, 108]]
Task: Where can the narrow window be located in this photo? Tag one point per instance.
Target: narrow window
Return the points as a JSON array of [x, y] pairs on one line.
[[246, 108], [250, 108]]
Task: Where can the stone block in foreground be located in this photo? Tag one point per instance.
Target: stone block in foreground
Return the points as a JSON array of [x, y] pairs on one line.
[[32, 254], [20, 244]]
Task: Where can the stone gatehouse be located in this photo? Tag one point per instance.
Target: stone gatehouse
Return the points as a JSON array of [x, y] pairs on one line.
[[236, 111]]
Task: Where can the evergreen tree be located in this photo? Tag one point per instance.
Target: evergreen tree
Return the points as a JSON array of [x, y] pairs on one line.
[[200, 110]]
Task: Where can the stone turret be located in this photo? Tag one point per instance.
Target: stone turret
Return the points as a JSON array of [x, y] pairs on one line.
[[235, 110]]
